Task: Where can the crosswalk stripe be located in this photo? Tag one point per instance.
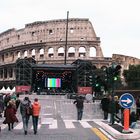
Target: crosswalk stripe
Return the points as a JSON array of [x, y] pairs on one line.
[[3, 126], [69, 124], [19, 126], [85, 124], [53, 125]]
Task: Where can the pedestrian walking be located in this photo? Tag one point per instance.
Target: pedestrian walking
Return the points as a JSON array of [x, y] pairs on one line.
[[35, 116], [114, 109], [1, 105], [133, 119], [138, 107], [7, 98], [10, 116], [17, 101], [24, 107], [79, 105], [105, 106]]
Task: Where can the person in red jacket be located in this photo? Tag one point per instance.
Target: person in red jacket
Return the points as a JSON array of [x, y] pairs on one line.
[[10, 116], [36, 111]]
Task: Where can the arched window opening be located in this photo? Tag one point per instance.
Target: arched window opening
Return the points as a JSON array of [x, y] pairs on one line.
[[18, 54], [71, 30], [41, 52], [12, 56], [104, 68], [61, 51], [5, 73], [82, 52], [25, 54], [2, 58], [18, 37], [33, 52], [50, 52], [92, 52], [94, 67], [71, 52], [11, 73], [50, 32], [1, 73]]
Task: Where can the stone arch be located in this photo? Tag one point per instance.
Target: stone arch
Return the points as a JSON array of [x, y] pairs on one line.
[[61, 51], [71, 52], [33, 52], [41, 53], [103, 68], [18, 54], [25, 53], [94, 67], [92, 52], [82, 51], [50, 52]]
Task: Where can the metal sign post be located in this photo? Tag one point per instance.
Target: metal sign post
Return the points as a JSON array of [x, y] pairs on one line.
[[126, 101]]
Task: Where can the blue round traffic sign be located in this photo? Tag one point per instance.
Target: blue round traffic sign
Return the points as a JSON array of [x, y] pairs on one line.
[[126, 100]]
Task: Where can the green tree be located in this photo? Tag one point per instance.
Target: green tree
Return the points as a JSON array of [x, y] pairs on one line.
[[132, 76]]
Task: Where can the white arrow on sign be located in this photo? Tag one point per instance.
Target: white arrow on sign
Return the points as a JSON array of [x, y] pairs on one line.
[[128, 101]]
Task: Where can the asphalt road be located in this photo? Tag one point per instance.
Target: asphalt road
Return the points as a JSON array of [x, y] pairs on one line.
[[58, 122]]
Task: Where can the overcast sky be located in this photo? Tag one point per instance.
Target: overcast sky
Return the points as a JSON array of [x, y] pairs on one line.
[[116, 22]]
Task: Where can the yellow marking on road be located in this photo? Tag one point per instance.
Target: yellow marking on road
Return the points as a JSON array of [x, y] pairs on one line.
[[99, 134]]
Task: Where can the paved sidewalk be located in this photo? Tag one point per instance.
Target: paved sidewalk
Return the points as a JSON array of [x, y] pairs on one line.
[[115, 130]]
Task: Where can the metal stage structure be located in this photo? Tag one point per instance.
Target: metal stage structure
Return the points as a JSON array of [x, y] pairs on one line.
[[54, 79]]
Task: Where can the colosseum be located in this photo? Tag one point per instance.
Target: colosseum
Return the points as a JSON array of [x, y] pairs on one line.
[[46, 43]]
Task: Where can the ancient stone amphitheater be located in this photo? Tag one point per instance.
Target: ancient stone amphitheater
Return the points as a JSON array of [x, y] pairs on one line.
[[45, 41]]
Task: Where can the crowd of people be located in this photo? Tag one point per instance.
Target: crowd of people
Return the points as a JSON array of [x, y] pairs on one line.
[[110, 106], [10, 104], [111, 109]]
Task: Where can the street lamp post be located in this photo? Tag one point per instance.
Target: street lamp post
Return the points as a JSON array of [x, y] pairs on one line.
[[65, 61]]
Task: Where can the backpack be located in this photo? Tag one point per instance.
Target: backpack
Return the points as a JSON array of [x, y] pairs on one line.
[[29, 110]]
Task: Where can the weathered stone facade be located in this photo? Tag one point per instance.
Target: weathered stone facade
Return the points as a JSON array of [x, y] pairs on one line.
[[45, 41]]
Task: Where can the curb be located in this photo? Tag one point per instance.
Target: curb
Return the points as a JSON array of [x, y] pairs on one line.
[[116, 134]]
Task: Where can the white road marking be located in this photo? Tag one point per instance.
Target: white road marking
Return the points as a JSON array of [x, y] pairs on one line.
[[85, 124], [46, 120], [3, 126], [19, 126], [53, 125], [69, 124]]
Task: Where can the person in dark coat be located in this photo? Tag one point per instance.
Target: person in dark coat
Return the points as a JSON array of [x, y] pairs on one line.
[[138, 107], [1, 105], [79, 105], [10, 116], [17, 101], [113, 110], [133, 119], [7, 98], [105, 105], [26, 103]]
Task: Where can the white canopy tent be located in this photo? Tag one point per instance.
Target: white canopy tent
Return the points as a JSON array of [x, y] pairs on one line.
[[8, 90], [3, 90], [14, 89]]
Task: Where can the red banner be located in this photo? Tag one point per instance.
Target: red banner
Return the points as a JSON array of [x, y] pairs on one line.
[[23, 88], [85, 90]]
